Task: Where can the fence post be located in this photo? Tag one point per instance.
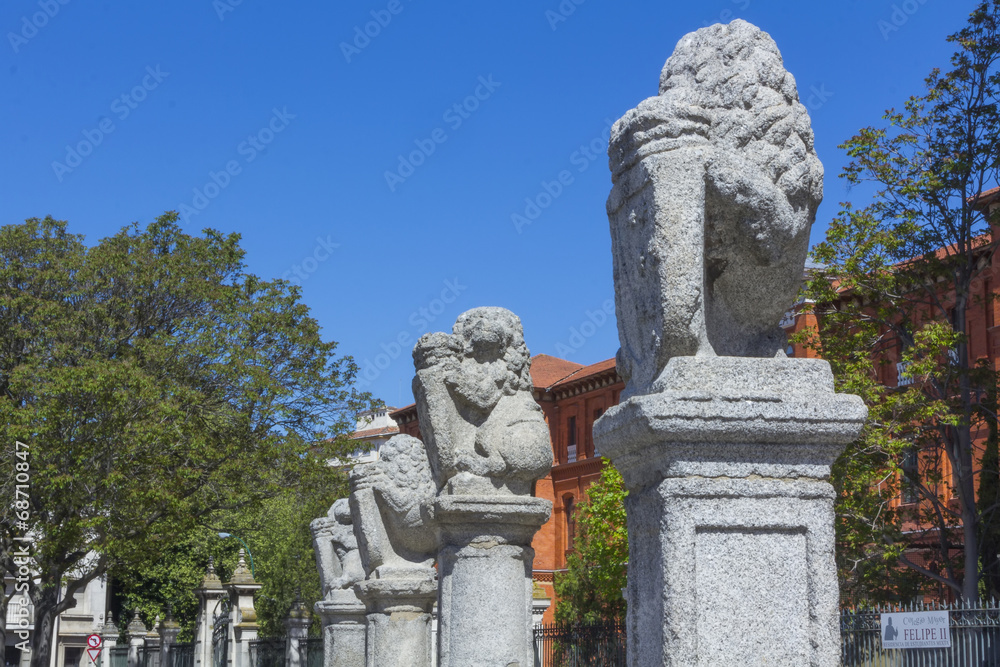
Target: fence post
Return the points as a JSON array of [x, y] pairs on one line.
[[109, 635], [152, 644], [297, 625], [241, 588], [168, 630], [210, 593], [136, 638]]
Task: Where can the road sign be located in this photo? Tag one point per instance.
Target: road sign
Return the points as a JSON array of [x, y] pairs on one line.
[[94, 641], [94, 654]]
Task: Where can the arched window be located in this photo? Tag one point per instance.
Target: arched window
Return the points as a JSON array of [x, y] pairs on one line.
[[568, 509]]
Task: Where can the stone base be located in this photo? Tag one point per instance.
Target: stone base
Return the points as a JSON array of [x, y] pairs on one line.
[[730, 516], [399, 620], [484, 567], [343, 616]]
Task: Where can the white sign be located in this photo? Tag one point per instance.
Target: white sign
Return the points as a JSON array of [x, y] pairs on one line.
[[917, 629]]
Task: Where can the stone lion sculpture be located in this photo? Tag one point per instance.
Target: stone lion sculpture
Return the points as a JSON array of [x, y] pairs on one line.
[[485, 433], [716, 185], [385, 502], [336, 548]]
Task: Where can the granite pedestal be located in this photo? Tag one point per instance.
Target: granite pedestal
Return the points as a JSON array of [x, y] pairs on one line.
[[484, 568], [730, 514], [399, 620], [343, 617]]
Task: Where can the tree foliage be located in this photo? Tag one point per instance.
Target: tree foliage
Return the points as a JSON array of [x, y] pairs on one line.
[[902, 276], [590, 591], [156, 383]]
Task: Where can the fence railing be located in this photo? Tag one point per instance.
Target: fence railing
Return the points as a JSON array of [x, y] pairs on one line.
[[181, 655], [118, 656], [594, 645], [267, 652], [311, 652], [974, 630], [149, 656]]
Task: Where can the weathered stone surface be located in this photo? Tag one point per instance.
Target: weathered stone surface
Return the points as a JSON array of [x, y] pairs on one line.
[[724, 444], [385, 502], [729, 511], [336, 548], [344, 633], [484, 432], [716, 184], [488, 444], [485, 565], [397, 548], [399, 620], [338, 560], [733, 417]]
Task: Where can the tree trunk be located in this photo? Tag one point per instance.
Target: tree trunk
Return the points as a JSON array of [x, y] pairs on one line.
[[989, 497], [45, 617]]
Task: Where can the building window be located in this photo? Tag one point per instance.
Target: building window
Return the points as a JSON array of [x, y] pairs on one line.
[[571, 440], [910, 492], [903, 378], [597, 415], [569, 508]]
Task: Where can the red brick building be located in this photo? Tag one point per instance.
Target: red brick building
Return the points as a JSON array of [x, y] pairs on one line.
[[572, 396]]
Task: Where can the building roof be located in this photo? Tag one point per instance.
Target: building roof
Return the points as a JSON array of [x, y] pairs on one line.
[[586, 372], [374, 432], [547, 371]]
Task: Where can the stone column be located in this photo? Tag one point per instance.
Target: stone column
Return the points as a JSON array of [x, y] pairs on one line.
[[241, 588], [109, 637], [725, 445], [343, 616], [210, 594], [136, 639], [487, 444], [399, 620], [152, 643], [168, 630], [730, 515], [485, 566], [397, 552], [297, 631]]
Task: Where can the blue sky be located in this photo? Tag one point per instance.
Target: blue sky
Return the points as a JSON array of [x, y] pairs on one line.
[[281, 120]]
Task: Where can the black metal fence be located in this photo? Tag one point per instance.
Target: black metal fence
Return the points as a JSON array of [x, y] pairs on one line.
[[181, 655], [149, 656], [268, 652], [311, 652], [974, 629], [118, 656], [596, 645]]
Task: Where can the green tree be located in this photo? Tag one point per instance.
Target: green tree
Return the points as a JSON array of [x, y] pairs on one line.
[[155, 383], [590, 590], [902, 276], [277, 533]]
